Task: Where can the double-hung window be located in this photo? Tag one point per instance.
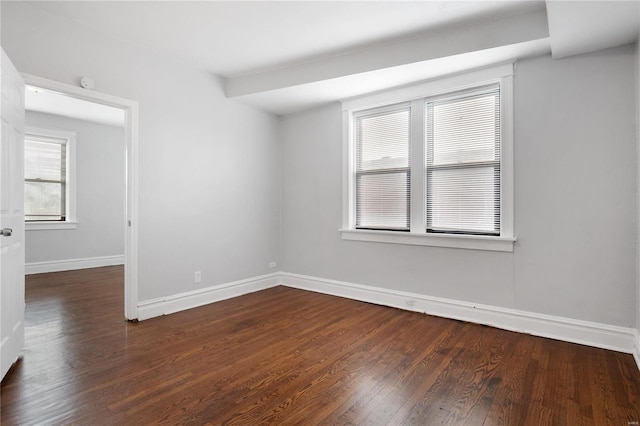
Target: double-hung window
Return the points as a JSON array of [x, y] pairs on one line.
[[463, 162], [48, 179], [383, 172], [433, 164]]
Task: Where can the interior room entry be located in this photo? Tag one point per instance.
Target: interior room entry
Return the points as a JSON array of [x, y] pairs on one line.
[[89, 106]]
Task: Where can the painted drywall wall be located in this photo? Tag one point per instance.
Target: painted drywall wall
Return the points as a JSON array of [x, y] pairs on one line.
[[209, 167], [575, 158], [100, 194], [638, 185], [575, 173]]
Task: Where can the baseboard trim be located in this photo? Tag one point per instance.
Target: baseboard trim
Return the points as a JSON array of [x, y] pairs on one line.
[[72, 264], [636, 348], [191, 299], [588, 333], [576, 331]]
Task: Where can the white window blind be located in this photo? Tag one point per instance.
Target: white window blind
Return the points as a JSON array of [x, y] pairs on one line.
[[45, 179], [463, 162], [382, 172]]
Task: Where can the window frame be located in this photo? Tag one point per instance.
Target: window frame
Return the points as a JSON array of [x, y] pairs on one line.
[[358, 174], [70, 138], [432, 168], [415, 95]]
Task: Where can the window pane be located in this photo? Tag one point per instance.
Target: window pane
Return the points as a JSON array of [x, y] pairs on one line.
[[465, 130], [43, 199], [463, 162], [383, 140], [463, 199], [382, 147], [43, 160], [382, 200]]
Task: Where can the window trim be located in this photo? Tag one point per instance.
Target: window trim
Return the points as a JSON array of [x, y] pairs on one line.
[[502, 74], [71, 220]]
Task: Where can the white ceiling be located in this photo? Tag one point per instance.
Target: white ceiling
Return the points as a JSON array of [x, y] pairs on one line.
[[585, 26], [297, 98], [40, 100], [284, 56], [434, 54], [231, 38]]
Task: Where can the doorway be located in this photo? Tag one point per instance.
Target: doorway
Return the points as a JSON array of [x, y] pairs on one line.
[[129, 110]]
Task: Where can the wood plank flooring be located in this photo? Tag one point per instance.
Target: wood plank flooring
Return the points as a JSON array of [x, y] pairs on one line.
[[286, 356]]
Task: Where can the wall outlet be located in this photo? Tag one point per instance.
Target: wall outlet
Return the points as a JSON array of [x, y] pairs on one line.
[[197, 276], [272, 264]]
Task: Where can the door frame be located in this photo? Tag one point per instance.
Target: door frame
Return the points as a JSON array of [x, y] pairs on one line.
[[131, 177]]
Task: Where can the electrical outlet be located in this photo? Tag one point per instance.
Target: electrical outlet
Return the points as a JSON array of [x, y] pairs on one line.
[[197, 276], [272, 264]]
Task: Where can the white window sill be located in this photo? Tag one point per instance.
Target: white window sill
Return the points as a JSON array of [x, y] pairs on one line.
[[42, 226], [473, 242]]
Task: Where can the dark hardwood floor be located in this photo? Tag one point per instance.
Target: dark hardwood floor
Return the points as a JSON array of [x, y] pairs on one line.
[[287, 356]]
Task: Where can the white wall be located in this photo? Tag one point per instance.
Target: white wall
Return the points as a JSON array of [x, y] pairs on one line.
[[209, 167], [638, 186], [100, 190], [212, 173], [575, 174]]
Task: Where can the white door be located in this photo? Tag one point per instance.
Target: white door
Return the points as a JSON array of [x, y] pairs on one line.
[[11, 216]]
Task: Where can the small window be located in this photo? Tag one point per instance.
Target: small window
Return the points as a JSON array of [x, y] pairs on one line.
[[45, 178], [48, 177]]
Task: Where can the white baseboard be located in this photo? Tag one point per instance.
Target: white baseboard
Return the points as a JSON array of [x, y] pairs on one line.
[[604, 336], [72, 264], [576, 331], [636, 348], [191, 299]]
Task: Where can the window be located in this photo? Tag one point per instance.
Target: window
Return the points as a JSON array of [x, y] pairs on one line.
[[45, 178], [463, 162], [432, 164], [49, 196], [382, 169]]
